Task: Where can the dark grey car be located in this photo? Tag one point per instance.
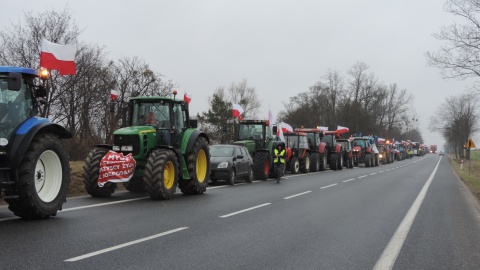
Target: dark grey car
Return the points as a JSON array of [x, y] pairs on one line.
[[230, 162]]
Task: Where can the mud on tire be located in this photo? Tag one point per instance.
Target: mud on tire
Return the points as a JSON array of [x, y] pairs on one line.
[[198, 166], [43, 179], [161, 174], [91, 169]]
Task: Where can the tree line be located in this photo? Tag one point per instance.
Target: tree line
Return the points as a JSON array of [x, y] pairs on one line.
[[81, 102]]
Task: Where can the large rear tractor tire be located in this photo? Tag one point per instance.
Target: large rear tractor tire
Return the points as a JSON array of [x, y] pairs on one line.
[[350, 162], [161, 174], [340, 162], [368, 160], [305, 164], [91, 169], [333, 162], [314, 162], [198, 165], [261, 165], [43, 179], [323, 162], [135, 185], [376, 158], [294, 165]]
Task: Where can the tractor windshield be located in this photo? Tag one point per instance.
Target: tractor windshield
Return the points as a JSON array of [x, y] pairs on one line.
[[291, 141], [150, 113], [360, 143], [13, 107], [250, 132], [329, 139]]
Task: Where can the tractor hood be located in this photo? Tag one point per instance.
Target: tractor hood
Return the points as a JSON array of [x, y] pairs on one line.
[[135, 130], [249, 144]]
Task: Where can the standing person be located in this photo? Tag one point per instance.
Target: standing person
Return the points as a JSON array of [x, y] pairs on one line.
[[279, 160]]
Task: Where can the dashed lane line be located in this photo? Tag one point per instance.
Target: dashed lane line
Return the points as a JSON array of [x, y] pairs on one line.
[[362, 176], [244, 210], [296, 195], [329, 186], [348, 180], [74, 259]]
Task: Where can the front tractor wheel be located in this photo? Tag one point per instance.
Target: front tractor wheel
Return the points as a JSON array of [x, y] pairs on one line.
[[91, 169], [261, 165], [43, 179], [333, 162], [198, 166], [161, 174]]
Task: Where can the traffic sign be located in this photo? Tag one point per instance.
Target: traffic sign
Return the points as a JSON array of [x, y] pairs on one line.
[[470, 144]]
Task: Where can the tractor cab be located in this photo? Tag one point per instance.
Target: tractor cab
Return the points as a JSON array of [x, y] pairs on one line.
[[254, 134], [17, 103]]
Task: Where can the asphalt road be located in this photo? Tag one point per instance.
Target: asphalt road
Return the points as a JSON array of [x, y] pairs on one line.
[[412, 214]]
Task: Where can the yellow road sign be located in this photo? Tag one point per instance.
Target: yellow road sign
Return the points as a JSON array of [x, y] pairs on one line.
[[470, 144]]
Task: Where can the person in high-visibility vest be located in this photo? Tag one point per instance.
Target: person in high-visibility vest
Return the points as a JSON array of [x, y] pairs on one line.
[[279, 161]]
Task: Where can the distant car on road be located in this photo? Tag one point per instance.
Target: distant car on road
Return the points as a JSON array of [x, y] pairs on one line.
[[442, 153], [230, 162]]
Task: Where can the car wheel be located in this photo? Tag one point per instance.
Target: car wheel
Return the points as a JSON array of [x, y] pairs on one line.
[[231, 178], [249, 177]]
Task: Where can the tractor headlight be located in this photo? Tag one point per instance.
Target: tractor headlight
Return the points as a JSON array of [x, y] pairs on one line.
[[381, 156], [116, 148], [127, 148], [223, 165]]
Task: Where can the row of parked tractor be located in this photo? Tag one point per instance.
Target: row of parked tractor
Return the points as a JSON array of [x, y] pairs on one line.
[[157, 149], [314, 149]]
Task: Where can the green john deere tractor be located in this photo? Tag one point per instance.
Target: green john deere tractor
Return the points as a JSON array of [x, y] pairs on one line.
[[257, 137], [167, 148]]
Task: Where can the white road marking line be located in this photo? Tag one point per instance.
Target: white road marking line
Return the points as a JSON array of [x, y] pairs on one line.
[[362, 176], [387, 170], [245, 210], [124, 245], [390, 253], [329, 186], [296, 195], [8, 218], [216, 187], [256, 181], [101, 204], [373, 173], [348, 180], [380, 171]]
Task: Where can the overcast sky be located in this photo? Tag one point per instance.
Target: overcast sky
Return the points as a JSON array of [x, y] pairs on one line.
[[280, 47]]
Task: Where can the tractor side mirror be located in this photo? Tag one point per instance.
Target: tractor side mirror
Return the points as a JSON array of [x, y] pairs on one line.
[[41, 91], [274, 130], [14, 81], [193, 123]]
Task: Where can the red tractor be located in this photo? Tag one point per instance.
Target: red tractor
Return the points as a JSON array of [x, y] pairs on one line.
[[334, 149], [347, 153], [298, 153], [318, 149], [363, 152]]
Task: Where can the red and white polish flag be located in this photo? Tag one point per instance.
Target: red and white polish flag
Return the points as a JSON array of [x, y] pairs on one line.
[[341, 130], [114, 94], [270, 118], [237, 110], [187, 98], [58, 57]]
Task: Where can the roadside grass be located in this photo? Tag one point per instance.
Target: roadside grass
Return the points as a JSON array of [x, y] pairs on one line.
[[76, 179], [470, 174]]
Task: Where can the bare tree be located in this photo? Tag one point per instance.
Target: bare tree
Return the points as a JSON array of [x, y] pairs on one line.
[[459, 56], [457, 120], [246, 97]]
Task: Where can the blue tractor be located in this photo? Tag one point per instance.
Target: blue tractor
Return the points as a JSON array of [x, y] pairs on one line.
[[34, 165]]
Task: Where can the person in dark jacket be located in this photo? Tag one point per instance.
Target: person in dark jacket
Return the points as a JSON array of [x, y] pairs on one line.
[[279, 160]]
